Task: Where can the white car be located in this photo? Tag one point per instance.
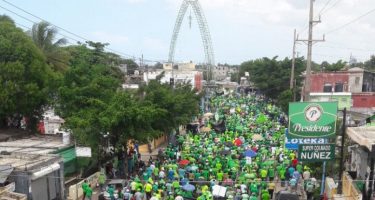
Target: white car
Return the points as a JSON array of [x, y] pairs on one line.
[[116, 184]]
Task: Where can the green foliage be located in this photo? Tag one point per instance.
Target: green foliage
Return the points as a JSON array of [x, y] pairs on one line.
[[86, 91], [284, 98], [44, 36], [181, 103], [127, 117], [24, 75], [272, 76], [370, 64], [339, 65]]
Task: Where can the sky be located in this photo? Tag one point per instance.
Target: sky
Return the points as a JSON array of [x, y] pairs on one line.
[[241, 30]]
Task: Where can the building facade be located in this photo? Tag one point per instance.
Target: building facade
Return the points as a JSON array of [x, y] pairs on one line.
[[40, 177], [220, 72], [355, 82]]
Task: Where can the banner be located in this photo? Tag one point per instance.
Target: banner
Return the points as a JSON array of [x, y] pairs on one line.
[[316, 152], [312, 119], [292, 143]]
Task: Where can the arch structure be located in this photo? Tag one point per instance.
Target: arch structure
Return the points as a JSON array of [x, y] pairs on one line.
[[203, 27]]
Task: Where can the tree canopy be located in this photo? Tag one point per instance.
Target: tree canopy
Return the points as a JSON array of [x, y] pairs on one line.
[[24, 75]]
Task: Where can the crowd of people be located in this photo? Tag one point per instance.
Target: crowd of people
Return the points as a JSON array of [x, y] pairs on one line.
[[245, 160]]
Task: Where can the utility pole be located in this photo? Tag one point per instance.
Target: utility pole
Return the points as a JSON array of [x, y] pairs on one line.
[[310, 42], [293, 61]]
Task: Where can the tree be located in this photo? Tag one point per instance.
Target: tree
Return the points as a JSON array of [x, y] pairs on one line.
[[339, 65], [271, 76], [86, 91], [370, 64], [127, 117], [44, 36], [24, 76], [181, 103]]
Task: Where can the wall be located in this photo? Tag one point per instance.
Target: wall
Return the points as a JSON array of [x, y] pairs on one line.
[[344, 101], [369, 81], [318, 80], [355, 86], [75, 191], [363, 100]]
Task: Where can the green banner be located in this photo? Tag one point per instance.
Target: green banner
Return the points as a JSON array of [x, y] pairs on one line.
[[312, 119], [316, 152]]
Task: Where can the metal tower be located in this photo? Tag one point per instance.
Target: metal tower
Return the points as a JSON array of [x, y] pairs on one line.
[[203, 27]]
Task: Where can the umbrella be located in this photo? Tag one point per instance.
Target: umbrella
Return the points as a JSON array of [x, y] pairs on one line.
[[184, 162], [238, 142], [188, 187], [250, 153], [208, 115], [225, 152], [257, 137]]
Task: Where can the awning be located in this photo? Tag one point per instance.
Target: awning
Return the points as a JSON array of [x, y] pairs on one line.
[[364, 136], [5, 170]]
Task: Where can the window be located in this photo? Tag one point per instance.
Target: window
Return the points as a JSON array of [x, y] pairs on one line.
[[327, 87], [339, 87], [356, 80]]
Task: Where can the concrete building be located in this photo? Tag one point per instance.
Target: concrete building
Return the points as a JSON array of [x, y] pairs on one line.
[[44, 145], [357, 82], [185, 73], [362, 156], [39, 177], [220, 72]]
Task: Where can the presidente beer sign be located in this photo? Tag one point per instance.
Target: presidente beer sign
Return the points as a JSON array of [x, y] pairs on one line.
[[312, 119]]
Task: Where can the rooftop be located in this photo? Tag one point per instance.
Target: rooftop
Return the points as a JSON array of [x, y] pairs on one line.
[[42, 144], [25, 162], [364, 136]]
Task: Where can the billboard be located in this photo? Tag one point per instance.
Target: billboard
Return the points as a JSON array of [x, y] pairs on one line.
[[292, 143], [312, 119], [316, 152]]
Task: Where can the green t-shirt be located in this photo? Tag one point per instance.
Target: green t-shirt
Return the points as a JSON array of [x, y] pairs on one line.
[[265, 196], [88, 192], [271, 172], [220, 176], [205, 174], [263, 173], [254, 188]]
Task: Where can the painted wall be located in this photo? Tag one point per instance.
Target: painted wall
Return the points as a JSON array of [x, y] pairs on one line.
[[363, 100], [318, 80]]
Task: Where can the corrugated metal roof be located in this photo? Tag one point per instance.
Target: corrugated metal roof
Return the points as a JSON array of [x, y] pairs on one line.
[[5, 170]]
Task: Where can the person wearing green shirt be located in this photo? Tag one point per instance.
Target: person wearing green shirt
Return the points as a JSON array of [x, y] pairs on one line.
[[220, 176], [263, 174], [253, 197], [254, 188], [89, 192], [266, 196], [85, 185], [271, 173], [111, 192], [205, 174]]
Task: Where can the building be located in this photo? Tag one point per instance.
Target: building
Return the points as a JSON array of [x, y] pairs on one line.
[[44, 145], [220, 72], [185, 73], [7, 193], [356, 82], [362, 157], [39, 177]]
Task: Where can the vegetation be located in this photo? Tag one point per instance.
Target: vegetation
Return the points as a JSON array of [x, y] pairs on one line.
[[25, 77], [272, 77]]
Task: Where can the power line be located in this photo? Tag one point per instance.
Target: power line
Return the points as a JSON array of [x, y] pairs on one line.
[[350, 22], [334, 4], [67, 31], [325, 6]]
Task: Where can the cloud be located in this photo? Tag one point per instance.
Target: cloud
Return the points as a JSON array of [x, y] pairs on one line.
[[136, 1], [278, 18], [112, 38], [154, 44]]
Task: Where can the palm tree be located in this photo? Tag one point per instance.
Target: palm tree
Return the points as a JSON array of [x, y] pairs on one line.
[[44, 36]]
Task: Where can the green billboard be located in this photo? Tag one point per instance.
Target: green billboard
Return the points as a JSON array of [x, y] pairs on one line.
[[316, 152], [312, 119]]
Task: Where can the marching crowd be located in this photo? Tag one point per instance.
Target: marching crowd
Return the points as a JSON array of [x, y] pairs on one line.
[[245, 160]]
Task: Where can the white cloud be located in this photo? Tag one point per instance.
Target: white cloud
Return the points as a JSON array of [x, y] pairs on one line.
[[111, 38], [154, 44], [280, 17]]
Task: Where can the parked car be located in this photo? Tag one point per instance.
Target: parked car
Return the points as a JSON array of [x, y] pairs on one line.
[[117, 184], [286, 195]]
